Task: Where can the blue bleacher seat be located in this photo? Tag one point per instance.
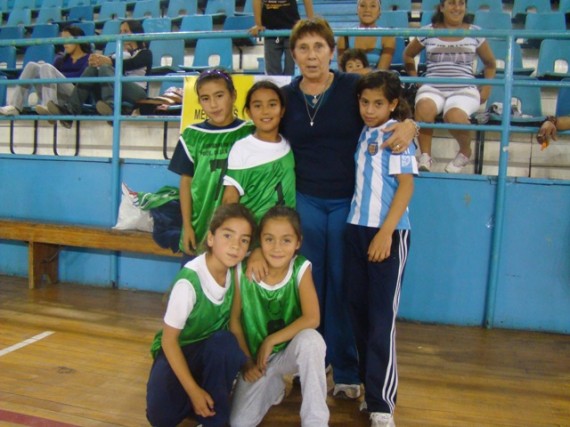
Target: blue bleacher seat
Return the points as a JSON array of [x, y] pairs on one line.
[[393, 19], [548, 21], [212, 52], [493, 20], [51, 3], [429, 5], [240, 23], [43, 31], [111, 10], [553, 60], [88, 27], [4, 6], [490, 5], [19, 17], [48, 15], [3, 90], [110, 27], [521, 7], [196, 23], [527, 101], [7, 57], [75, 3], [563, 100], [12, 32], [24, 4], [36, 53], [220, 8], [146, 9], [157, 25], [564, 6], [405, 5], [426, 18], [247, 8], [499, 48], [167, 56], [80, 13], [178, 8]]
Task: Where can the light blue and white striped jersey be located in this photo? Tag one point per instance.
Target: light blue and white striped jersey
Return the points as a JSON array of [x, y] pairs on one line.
[[376, 183]]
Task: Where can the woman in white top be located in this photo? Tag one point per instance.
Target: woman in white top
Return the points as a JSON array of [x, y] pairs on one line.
[[450, 57]]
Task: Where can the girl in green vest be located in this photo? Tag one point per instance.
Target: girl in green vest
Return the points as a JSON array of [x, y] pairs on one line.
[[274, 321], [196, 359], [261, 168]]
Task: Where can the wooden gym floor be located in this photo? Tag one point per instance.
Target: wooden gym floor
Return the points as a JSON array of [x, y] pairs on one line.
[[78, 356]]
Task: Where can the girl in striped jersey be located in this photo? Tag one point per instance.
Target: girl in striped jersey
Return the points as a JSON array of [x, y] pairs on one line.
[[378, 237], [274, 321]]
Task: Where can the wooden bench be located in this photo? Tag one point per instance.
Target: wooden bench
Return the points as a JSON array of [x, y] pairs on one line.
[[46, 239]]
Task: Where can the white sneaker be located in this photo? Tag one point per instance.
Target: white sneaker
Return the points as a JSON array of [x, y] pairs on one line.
[[424, 163], [457, 164], [381, 419], [347, 391], [9, 110]]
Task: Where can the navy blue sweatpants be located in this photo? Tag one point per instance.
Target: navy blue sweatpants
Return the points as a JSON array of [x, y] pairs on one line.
[[374, 297], [214, 363]]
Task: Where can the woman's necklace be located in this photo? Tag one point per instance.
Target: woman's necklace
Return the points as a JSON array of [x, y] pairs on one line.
[[316, 102], [311, 118]]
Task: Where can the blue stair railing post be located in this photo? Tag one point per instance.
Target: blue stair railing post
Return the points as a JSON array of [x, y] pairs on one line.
[[499, 208], [116, 157]]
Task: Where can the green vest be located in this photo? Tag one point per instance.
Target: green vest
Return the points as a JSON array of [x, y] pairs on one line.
[[205, 317], [265, 311], [209, 150], [267, 185]]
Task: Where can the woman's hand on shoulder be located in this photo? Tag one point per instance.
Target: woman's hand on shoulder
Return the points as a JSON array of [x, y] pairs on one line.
[[403, 133]]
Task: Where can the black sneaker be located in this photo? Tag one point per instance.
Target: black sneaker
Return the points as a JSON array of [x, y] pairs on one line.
[[60, 110]]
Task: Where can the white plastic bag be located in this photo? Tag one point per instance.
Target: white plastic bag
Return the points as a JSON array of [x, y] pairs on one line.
[[131, 216]]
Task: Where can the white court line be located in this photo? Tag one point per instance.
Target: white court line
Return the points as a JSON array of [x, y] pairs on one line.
[[25, 343]]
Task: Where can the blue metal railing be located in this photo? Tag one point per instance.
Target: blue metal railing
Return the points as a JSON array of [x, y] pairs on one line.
[[505, 128]]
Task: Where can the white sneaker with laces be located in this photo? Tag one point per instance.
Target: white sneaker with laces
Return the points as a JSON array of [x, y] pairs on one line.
[[424, 163], [457, 164], [9, 110], [381, 419], [347, 391]]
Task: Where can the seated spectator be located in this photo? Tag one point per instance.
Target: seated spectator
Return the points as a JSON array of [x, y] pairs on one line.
[[449, 57], [71, 63], [138, 63], [354, 61], [379, 50], [548, 129]]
